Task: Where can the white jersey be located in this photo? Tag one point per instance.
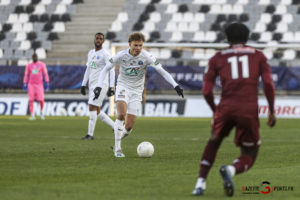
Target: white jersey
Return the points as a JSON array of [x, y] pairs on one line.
[[133, 68], [95, 64]]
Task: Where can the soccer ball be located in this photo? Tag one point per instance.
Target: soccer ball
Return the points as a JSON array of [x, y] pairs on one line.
[[78, 112], [63, 112], [145, 150]]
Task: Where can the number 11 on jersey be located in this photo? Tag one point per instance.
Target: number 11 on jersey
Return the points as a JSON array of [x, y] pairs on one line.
[[234, 66]]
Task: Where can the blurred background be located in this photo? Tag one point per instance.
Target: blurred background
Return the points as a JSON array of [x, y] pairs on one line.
[[182, 34]]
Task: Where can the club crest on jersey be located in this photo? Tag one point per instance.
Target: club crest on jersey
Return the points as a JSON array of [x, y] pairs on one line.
[[98, 57], [111, 60], [140, 62], [156, 62], [132, 71]]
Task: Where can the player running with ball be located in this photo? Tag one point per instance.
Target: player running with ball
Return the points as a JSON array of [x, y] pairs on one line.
[[133, 65]]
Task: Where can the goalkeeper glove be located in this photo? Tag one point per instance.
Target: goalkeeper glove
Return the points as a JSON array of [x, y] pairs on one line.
[[24, 87], [47, 87]]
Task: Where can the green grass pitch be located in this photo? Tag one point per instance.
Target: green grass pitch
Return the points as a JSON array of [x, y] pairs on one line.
[[48, 160]]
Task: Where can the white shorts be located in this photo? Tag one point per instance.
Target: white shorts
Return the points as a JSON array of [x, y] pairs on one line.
[[131, 98], [97, 102]]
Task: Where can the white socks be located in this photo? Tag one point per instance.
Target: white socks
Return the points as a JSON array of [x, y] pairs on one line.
[[118, 129], [201, 183], [231, 170], [106, 119], [92, 122], [93, 119]]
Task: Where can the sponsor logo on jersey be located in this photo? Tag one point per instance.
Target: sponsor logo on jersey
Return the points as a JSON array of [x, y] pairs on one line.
[[111, 60], [140, 62], [92, 64], [132, 71], [35, 71], [98, 57], [156, 62]]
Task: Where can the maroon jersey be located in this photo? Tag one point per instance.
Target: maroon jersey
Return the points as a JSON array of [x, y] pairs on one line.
[[239, 68]]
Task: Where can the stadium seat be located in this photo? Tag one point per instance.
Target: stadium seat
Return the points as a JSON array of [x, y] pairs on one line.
[[25, 2], [172, 8], [210, 36], [204, 9], [288, 37], [287, 18], [149, 26], [188, 17], [171, 26], [176, 36], [60, 9], [66, 2], [265, 37], [260, 27], [282, 27], [165, 1], [289, 54], [297, 37], [265, 18], [198, 54], [41, 53], [21, 36], [22, 62], [29, 9], [155, 35], [198, 36], [268, 53], [177, 17], [154, 52], [281, 9], [155, 17], [122, 17], [25, 45], [39, 9], [13, 18], [45, 2], [164, 53], [183, 27], [58, 27]]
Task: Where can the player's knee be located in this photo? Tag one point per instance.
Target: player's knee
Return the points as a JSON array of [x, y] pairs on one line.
[[128, 127], [101, 115], [121, 116], [215, 140], [252, 151]]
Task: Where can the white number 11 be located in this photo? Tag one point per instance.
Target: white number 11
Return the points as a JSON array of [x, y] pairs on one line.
[[234, 66]]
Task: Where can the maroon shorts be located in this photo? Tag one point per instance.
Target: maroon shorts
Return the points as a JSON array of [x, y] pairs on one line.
[[247, 126]]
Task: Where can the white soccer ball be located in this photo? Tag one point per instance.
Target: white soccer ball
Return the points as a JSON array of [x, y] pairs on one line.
[[145, 150], [78, 112], [63, 112]]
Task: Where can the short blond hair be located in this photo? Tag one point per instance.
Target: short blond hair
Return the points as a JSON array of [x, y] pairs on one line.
[[136, 36]]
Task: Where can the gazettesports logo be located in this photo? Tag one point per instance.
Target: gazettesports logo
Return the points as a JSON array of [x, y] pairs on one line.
[[266, 188]]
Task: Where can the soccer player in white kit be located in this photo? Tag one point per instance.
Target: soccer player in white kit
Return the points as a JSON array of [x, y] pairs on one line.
[[133, 65], [97, 59]]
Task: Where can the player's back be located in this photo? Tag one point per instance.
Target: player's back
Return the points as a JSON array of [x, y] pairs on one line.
[[239, 68]]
